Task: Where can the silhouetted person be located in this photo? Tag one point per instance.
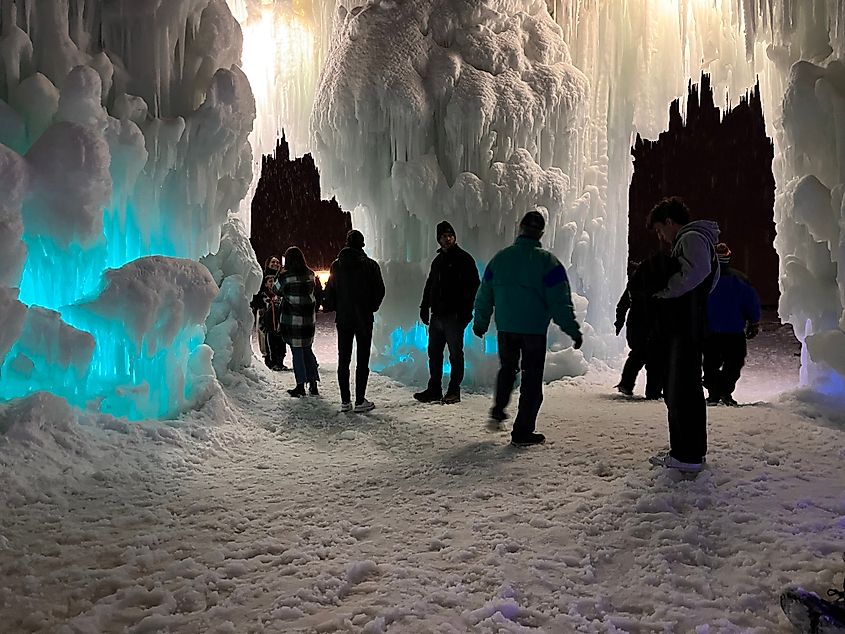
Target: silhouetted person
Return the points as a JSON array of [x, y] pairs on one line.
[[301, 292], [447, 304], [638, 310], [683, 327], [733, 315], [355, 290], [267, 307], [527, 287]]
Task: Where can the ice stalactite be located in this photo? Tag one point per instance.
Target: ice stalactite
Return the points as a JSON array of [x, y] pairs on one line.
[[123, 149]]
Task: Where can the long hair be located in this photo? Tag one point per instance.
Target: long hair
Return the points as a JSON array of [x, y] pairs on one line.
[[295, 261], [267, 261]]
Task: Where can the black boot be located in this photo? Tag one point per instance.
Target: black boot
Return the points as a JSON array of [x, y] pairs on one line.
[[312, 388], [428, 396], [298, 391], [526, 440]]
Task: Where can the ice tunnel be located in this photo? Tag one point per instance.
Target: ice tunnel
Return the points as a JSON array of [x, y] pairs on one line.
[[130, 132]]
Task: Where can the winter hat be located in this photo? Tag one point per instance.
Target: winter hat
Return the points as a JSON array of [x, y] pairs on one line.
[[534, 220], [444, 227], [355, 239], [723, 252]]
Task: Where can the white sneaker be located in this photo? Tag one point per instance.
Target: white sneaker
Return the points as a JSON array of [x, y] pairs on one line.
[[346, 407], [365, 406], [668, 462]]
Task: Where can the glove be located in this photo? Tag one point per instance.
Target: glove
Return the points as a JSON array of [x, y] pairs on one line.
[[477, 331], [424, 315], [752, 331], [578, 341], [618, 327]]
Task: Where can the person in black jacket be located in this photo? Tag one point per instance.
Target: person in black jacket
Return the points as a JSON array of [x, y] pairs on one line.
[[267, 307], [446, 309], [637, 309], [355, 291]]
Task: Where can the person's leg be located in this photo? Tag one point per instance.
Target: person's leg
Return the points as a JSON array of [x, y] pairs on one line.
[[531, 388], [734, 350], [655, 369], [311, 365], [364, 340], [509, 349], [687, 411], [712, 363], [455, 340], [633, 364], [276, 347], [345, 337], [436, 343], [299, 370]]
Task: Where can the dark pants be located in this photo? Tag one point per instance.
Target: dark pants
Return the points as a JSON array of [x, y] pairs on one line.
[[276, 349], [445, 331], [724, 356], [685, 400], [653, 358], [304, 365], [363, 334], [532, 349]]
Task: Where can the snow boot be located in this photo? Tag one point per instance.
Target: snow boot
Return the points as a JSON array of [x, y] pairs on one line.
[[298, 391], [451, 398], [729, 401], [363, 406], [713, 399], [312, 389], [625, 391], [526, 440], [429, 396]]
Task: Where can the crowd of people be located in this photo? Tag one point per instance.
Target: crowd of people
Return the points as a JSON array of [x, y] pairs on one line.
[[688, 315]]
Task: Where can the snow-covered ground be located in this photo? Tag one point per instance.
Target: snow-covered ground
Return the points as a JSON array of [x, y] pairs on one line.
[[261, 513]]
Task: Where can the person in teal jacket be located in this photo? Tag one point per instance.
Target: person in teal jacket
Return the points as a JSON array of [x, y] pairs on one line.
[[527, 287]]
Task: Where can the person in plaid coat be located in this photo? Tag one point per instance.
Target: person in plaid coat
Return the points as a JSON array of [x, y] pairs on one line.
[[301, 294]]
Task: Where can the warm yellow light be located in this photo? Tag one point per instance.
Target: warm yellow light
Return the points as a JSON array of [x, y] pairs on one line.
[[324, 277]]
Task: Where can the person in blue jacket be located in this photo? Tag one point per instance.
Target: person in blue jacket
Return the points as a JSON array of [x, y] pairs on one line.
[[527, 287], [733, 316]]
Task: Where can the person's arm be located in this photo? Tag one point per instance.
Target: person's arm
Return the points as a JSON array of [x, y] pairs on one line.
[[318, 293], [484, 301], [622, 309], [378, 286], [751, 311], [696, 259], [559, 300], [425, 304], [472, 284]]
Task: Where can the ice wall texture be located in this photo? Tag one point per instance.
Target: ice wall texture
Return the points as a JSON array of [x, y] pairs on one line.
[[637, 56], [452, 109], [123, 147]]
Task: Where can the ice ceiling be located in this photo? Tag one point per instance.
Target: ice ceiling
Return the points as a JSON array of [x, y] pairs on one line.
[[123, 148]]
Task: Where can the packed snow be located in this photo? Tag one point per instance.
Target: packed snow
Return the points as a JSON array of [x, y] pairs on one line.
[[262, 513]]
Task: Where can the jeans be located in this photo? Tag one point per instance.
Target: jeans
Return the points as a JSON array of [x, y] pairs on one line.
[[652, 357], [363, 334], [684, 398], [304, 365], [445, 331], [276, 348], [532, 349], [724, 356]]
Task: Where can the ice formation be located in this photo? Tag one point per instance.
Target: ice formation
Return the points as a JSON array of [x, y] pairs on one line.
[[123, 149], [395, 144]]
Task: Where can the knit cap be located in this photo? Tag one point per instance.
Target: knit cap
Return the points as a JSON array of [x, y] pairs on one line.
[[723, 252]]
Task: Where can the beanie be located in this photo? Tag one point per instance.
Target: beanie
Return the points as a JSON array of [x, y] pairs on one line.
[[723, 252], [355, 239], [533, 219], [444, 227]]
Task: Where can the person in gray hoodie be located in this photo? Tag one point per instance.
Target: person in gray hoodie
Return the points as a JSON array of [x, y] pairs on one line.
[[683, 325]]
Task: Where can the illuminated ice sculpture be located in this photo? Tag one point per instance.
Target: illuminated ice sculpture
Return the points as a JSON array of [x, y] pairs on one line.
[[123, 148]]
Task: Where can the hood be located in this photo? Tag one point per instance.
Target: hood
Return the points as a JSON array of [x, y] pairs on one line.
[[351, 256], [708, 228]]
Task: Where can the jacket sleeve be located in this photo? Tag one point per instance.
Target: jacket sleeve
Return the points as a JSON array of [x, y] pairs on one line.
[[751, 304], [559, 298], [319, 293], [472, 284], [622, 307], [695, 256], [330, 294], [377, 286], [484, 301], [426, 296]]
